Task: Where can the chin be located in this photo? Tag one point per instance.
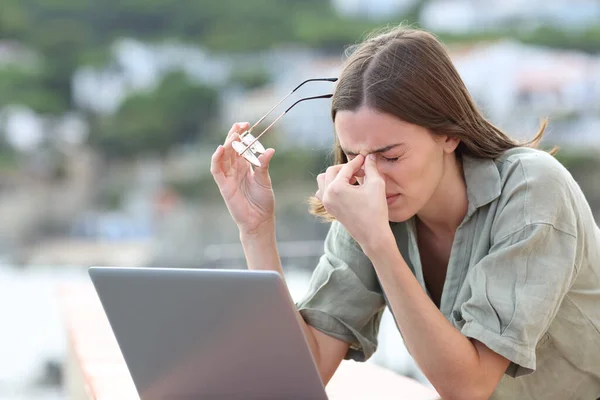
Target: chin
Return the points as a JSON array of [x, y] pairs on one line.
[[401, 215]]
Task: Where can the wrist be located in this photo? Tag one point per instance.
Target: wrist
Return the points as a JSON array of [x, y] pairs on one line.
[[264, 231], [378, 244]]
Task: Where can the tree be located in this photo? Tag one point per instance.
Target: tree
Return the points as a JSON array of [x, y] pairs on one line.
[[24, 87], [177, 112], [14, 20]]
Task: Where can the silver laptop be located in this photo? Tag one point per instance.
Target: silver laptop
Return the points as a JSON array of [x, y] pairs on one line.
[[208, 334]]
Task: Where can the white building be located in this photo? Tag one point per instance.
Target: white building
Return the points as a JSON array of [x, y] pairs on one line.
[[463, 16], [137, 66], [516, 85]]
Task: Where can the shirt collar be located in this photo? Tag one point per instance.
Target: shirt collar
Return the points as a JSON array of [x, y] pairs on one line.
[[483, 181]]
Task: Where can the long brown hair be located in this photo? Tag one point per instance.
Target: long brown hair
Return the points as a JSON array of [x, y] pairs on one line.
[[408, 73]]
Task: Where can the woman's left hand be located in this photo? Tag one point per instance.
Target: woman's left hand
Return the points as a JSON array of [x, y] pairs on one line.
[[362, 209]]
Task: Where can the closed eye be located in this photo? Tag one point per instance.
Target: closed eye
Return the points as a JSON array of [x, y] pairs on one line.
[[386, 159]]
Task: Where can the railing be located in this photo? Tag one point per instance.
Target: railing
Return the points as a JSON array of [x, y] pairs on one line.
[[96, 369]]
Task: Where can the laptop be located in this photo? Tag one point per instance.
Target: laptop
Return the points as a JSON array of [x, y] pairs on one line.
[[208, 333]]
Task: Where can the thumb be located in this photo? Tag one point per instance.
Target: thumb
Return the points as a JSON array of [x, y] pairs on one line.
[[261, 174], [350, 169]]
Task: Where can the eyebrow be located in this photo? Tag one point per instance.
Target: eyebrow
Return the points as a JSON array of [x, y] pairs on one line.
[[380, 150]]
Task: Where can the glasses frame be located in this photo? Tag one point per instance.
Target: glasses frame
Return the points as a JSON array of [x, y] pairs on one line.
[[249, 147]]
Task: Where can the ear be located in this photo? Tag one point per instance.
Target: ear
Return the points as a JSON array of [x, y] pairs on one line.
[[449, 143]]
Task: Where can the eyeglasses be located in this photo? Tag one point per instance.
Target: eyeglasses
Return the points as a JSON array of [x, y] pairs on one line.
[[249, 147]]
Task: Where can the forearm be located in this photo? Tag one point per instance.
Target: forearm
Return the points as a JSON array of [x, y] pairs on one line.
[[448, 358], [261, 253], [260, 249]]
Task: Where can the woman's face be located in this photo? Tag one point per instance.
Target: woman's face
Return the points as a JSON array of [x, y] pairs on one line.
[[410, 159]]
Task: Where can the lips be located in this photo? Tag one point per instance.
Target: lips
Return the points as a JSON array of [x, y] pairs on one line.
[[391, 198]]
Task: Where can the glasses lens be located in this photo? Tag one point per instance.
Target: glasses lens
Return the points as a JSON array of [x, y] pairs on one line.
[[249, 155], [257, 147]]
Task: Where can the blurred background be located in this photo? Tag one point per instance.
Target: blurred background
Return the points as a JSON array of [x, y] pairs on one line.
[[110, 110]]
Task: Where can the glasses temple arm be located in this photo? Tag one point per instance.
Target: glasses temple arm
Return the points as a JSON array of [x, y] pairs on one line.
[[288, 95], [315, 80], [324, 96]]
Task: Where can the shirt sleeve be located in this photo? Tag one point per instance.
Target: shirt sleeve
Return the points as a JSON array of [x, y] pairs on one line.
[[516, 291], [344, 299]]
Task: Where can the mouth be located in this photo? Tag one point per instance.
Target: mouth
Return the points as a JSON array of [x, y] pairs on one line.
[[391, 198]]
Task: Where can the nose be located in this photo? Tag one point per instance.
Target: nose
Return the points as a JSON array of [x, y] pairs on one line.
[[382, 171]]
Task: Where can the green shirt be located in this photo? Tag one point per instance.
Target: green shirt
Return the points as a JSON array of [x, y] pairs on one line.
[[523, 278]]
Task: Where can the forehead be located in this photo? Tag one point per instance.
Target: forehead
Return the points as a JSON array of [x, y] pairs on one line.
[[366, 130]]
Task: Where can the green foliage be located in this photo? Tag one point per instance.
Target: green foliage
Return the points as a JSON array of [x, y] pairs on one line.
[[250, 78], [9, 159], [297, 165], [177, 112], [578, 161], [585, 40], [22, 87], [330, 32], [111, 199], [225, 25], [61, 42], [14, 20]]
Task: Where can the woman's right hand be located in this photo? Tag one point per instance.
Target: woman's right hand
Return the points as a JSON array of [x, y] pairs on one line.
[[247, 190]]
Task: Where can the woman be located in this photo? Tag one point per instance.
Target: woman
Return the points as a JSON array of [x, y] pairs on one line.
[[484, 249]]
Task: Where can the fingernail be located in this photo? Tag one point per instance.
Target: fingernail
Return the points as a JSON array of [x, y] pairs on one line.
[[372, 156]]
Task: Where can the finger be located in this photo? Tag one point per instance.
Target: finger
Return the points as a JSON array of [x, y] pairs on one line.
[[357, 178], [321, 180], [236, 130], [215, 165], [234, 134], [331, 173], [321, 186], [231, 156], [261, 174], [351, 168], [370, 168], [228, 156]]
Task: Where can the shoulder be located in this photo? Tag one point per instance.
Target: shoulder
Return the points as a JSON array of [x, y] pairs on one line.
[[535, 161], [534, 166], [537, 189]]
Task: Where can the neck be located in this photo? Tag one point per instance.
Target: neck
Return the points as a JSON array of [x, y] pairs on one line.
[[448, 206]]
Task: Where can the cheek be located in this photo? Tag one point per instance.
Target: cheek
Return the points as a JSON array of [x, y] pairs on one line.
[[412, 178], [394, 174], [429, 176]]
